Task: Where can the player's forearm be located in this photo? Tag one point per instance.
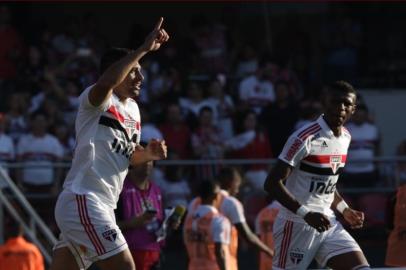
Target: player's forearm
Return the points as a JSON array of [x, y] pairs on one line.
[[117, 72], [140, 156], [276, 189], [250, 237], [220, 256]]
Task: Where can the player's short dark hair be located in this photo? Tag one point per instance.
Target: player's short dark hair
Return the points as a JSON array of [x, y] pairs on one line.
[[111, 56], [342, 87], [207, 189], [225, 176]]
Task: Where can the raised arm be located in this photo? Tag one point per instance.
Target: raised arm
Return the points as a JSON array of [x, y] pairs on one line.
[[117, 72]]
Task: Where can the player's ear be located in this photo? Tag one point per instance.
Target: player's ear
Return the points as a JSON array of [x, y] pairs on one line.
[[354, 108]]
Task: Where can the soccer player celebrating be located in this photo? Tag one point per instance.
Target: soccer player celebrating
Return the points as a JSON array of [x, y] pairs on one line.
[[107, 134], [311, 162]]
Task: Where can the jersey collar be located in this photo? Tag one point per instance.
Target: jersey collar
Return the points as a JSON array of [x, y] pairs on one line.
[[324, 126]]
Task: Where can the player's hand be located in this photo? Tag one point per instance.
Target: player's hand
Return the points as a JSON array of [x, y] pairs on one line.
[[354, 218], [318, 221], [157, 149], [156, 38], [270, 253]]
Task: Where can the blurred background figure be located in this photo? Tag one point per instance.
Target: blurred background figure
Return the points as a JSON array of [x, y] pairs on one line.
[[139, 215], [264, 229], [17, 253], [7, 152]]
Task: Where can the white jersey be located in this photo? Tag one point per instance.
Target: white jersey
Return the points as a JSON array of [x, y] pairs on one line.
[[318, 157], [106, 137]]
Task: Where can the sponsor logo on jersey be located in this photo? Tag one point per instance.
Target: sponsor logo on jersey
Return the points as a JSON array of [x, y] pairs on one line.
[[110, 235], [335, 161], [324, 144], [296, 256]]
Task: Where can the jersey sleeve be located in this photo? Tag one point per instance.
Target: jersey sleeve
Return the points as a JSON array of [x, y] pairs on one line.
[[85, 103], [233, 210], [221, 229], [294, 151]]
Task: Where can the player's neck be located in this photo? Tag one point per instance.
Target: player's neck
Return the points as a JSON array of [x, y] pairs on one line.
[[142, 184]]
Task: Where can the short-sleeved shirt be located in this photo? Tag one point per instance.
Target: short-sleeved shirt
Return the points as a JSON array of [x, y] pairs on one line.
[[39, 151], [18, 254], [317, 158], [106, 137]]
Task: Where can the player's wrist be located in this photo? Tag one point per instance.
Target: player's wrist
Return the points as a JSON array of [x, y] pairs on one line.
[[342, 206], [302, 211]]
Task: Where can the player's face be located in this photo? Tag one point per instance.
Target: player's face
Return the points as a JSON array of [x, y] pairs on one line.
[[339, 108], [131, 85]]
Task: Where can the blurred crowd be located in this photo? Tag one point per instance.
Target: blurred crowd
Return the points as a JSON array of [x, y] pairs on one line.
[[209, 99]]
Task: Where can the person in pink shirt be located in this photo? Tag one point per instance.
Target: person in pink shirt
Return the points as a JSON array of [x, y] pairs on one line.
[[140, 215]]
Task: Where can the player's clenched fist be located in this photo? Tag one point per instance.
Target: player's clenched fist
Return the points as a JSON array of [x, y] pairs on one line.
[[157, 149]]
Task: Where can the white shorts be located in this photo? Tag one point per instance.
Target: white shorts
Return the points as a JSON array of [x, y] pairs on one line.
[[88, 228], [297, 244]]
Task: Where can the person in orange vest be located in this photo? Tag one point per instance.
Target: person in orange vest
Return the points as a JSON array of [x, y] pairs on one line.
[[231, 207], [397, 238], [263, 228], [206, 232], [19, 254]]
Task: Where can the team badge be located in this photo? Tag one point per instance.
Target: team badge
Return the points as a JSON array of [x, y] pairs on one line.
[[296, 256], [110, 235], [335, 162]]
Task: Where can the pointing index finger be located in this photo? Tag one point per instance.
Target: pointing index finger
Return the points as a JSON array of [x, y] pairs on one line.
[[159, 23]]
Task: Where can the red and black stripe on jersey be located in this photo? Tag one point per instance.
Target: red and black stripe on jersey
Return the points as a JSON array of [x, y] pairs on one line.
[[321, 164]]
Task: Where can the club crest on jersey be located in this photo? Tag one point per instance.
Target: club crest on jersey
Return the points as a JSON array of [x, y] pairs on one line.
[[296, 256], [335, 162], [131, 125], [110, 235]]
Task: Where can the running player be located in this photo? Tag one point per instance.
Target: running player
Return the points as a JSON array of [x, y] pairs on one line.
[[108, 134], [231, 207], [207, 232], [310, 162]]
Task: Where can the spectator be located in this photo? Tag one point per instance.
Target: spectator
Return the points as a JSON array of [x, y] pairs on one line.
[[176, 133], [7, 153], [207, 144], [279, 118], [175, 187], [39, 148], [16, 124], [193, 103], [223, 106], [257, 91], [149, 129], [11, 45], [19, 254], [364, 145], [251, 143], [309, 111], [248, 62]]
